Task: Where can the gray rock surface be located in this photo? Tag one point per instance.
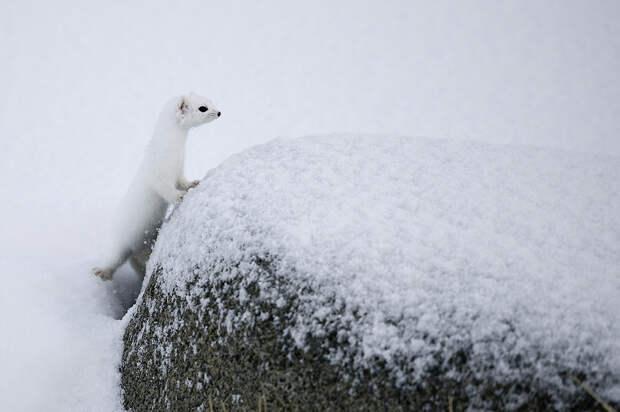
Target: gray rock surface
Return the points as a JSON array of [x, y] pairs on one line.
[[243, 305]]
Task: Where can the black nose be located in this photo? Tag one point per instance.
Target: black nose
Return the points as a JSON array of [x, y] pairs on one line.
[[219, 114]]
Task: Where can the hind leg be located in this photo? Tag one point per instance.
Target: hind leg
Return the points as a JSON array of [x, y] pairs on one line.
[[138, 265], [140, 255], [106, 272]]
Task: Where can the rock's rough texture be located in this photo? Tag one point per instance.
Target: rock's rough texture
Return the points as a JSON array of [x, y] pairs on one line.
[[384, 273]]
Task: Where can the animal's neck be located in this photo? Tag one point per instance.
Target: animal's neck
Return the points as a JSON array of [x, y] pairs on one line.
[[167, 147], [173, 136], [168, 129]]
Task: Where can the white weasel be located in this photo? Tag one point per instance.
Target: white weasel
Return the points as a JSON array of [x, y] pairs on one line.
[[160, 181]]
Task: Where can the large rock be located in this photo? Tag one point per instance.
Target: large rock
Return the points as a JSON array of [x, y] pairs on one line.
[[371, 273]]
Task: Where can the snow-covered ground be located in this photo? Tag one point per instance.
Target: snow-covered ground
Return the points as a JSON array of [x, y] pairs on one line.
[[81, 86], [60, 337]]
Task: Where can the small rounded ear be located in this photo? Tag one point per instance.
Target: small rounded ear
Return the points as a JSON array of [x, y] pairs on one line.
[[181, 105]]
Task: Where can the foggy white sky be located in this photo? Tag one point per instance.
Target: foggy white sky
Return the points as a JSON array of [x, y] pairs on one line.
[[536, 72]]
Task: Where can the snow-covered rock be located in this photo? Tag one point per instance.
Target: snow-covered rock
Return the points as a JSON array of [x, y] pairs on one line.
[[384, 272]]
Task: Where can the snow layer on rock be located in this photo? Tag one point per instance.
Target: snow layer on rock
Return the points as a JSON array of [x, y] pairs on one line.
[[433, 243]]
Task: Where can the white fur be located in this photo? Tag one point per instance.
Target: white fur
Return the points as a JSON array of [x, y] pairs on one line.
[[160, 181]]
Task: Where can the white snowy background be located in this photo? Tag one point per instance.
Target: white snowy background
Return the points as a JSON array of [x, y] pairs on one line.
[[81, 86]]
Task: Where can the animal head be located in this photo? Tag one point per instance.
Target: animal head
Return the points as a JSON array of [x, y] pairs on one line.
[[193, 110]]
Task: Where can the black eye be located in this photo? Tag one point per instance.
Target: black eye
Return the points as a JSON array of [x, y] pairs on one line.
[[203, 108]]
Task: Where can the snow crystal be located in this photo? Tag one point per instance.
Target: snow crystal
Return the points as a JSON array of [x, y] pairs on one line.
[[427, 243]]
